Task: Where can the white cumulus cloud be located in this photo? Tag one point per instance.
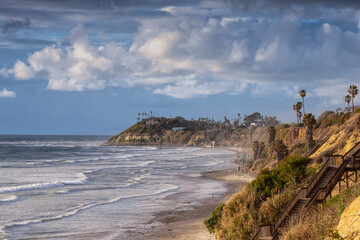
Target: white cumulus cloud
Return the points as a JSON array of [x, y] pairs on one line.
[[221, 54], [7, 94]]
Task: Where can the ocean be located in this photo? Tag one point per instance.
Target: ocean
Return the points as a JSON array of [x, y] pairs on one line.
[[74, 187]]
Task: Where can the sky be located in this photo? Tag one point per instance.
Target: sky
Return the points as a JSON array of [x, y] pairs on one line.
[[90, 66]]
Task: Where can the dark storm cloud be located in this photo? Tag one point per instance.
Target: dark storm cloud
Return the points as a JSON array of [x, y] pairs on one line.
[[251, 5], [303, 8], [15, 24], [93, 5]]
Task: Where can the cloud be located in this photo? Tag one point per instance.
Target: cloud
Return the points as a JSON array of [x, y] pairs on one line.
[[190, 87], [14, 24], [7, 94], [184, 54]]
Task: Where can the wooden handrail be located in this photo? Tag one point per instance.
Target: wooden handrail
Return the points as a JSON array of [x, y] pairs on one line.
[[256, 232], [300, 194], [330, 185], [303, 192], [318, 175], [261, 231], [353, 150]]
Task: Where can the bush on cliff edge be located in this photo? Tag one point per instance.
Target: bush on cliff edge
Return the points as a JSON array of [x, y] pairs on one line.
[[254, 205]]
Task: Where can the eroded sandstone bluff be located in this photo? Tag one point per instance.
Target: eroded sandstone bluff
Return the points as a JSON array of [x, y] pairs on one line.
[[180, 132]]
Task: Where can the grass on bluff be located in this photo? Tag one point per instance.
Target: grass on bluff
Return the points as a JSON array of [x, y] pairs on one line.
[[321, 221], [260, 201]]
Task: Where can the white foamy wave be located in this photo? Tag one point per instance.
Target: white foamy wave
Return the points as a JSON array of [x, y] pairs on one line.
[[9, 198], [72, 211], [66, 144], [81, 179], [28, 187], [144, 164], [139, 178], [37, 186], [212, 164], [63, 192]]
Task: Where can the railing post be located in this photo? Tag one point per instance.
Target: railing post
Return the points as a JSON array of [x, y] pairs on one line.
[[356, 172]]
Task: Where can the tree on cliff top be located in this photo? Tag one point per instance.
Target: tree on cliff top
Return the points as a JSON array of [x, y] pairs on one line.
[[348, 99], [253, 118], [353, 91], [302, 94], [255, 148], [297, 107], [309, 121], [272, 133], [280, 149]]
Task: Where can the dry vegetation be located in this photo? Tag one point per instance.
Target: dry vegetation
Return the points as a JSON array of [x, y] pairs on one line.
[[321, 221], [262, 200]]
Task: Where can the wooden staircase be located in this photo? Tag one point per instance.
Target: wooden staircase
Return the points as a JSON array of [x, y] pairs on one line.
[[330, 174]]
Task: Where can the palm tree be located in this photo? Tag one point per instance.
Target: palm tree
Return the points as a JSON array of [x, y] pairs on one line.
[[302, 94], [353, 91], [261, 148], [348, 99], [272, 133], [255, 148], [297, 115], [297, 107], [309, 121], [280, 149]]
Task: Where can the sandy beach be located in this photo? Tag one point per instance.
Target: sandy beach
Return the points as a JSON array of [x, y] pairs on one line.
[[188, 225]]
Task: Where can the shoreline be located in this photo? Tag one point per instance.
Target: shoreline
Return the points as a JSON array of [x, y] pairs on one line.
[[188, 224]]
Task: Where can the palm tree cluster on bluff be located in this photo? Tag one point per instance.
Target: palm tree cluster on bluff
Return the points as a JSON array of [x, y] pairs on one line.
[[353, 91], [309, 119]]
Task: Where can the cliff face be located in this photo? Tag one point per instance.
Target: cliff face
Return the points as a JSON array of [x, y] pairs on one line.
[[349, 224], [191, 133], [294, 135], [236, 138], [340, 139], [336, 133]]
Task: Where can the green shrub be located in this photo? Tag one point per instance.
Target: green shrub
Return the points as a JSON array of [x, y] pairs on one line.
[[263, 154], [343, 118], [211, 222], [284, 125], [288, 172], [310, 171], [282, 134], [300, 147]]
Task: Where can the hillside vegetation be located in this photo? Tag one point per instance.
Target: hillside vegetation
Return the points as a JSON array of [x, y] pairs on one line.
[[201, 132], [265, 198], [285, 156]]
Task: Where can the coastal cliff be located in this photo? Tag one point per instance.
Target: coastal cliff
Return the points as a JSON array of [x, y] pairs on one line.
[[267, 196], [180, 132]]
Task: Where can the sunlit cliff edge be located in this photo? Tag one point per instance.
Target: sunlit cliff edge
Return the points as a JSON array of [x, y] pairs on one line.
[[334, 133]]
